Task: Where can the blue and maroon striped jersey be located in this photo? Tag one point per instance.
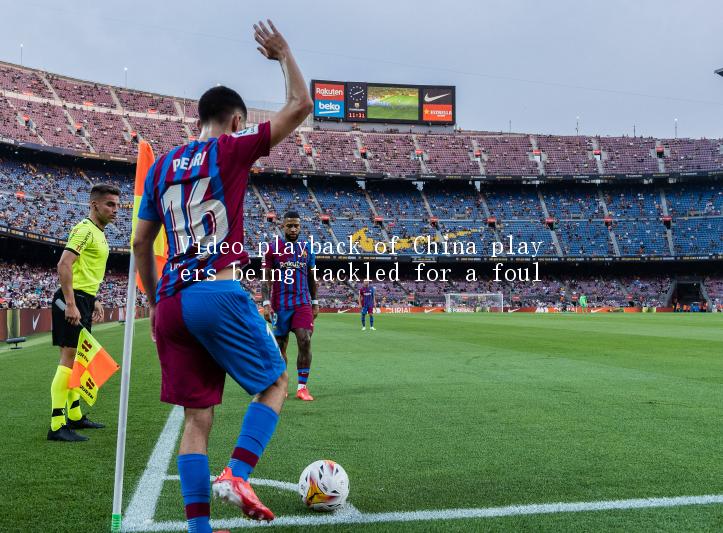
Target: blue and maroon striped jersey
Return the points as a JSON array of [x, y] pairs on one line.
[[291, 273], [367, 293], [197, 190]]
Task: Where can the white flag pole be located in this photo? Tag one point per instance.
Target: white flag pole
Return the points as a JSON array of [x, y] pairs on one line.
[[120, 450]]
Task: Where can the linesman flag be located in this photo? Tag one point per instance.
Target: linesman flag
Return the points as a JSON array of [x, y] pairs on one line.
[[160, 246], [92, 367]]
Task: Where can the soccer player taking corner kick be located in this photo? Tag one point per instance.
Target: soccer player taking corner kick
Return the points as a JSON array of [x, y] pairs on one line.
[[204, 323]]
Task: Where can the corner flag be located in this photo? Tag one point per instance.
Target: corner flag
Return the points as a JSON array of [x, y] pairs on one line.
[[160, 245], [92, 367], [160, 248]]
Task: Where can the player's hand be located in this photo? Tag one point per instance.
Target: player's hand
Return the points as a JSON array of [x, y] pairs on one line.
[[152, 318], [98, 312], [72, 314], [267, 314], [315, 310], [272, 43]]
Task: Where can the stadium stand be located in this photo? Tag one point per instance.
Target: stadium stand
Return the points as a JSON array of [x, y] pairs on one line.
[[31, 286], [79, 92], [579, 221]]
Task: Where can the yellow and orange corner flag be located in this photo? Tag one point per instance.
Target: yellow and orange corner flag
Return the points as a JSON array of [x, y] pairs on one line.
[[160, 246], [92, 367]]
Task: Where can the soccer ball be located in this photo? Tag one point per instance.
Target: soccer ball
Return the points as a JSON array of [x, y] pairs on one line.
[[324, 486]]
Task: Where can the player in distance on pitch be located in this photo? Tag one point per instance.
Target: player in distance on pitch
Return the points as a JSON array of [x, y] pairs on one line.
[[289, 293]]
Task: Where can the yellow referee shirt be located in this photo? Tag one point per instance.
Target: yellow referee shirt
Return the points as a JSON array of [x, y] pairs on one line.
[[87, 241]]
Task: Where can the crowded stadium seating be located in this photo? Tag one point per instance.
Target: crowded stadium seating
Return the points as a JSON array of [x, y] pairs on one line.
[[32, 286], [571, 220], [45, 199]]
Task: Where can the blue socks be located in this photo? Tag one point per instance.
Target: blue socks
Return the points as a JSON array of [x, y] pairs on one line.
[[364, 320], [303, 375], [371, 321], [196, 491], [258, 426]]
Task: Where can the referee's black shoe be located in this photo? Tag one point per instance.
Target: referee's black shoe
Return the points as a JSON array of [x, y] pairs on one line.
[[65, 434], [84, 423]]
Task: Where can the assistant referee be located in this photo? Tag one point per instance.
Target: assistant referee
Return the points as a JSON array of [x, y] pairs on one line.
[[81, 270]]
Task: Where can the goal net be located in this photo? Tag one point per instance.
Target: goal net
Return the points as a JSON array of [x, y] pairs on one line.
[[470, 302]]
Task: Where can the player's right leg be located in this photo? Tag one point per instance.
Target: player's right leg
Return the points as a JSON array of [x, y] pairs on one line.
[[190, 378], [241, 343], [364, 318]]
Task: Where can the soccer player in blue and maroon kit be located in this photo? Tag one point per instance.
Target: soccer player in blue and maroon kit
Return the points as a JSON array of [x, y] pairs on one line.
[[367, 302], [289, 294], [204, 323]]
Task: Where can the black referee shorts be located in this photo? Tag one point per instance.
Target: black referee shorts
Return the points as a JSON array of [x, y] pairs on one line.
[[64, 333]]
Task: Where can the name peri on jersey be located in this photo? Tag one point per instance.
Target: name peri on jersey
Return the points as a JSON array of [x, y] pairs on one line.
[[293, 261], [197, 191]]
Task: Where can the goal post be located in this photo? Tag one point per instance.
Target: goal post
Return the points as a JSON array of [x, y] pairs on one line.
[[472, 302]]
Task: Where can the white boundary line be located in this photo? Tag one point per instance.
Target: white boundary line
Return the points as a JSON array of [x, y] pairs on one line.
[[142, 508], [140, 512]]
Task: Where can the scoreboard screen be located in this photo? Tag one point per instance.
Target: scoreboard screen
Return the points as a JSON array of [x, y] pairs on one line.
[[354, 101]]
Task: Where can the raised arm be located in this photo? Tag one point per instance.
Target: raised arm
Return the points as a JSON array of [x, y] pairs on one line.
[[273, 46]]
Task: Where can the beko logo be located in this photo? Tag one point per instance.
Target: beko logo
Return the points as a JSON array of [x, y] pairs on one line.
[[326, 108]]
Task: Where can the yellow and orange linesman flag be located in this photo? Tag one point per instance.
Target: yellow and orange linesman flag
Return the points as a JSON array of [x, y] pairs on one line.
[[160, 246], [92, 367]]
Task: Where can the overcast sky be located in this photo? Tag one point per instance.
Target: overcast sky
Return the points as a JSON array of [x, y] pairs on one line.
[[614, 63]]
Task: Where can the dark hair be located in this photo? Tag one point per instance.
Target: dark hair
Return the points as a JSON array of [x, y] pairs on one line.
[[101, 189], [218, 104], [291, 214]]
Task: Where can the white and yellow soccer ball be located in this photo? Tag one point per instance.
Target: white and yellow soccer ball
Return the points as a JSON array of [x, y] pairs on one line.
[[324, 485]]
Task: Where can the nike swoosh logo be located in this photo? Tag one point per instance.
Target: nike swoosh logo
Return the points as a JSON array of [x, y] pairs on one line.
[[340, 311], [428, 98], [35, 321], [428, 311]]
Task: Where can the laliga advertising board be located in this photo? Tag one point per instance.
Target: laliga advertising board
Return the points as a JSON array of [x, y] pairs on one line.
[[383, 102]]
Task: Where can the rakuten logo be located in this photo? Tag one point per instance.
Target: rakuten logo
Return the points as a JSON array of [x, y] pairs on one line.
[[327, 91]]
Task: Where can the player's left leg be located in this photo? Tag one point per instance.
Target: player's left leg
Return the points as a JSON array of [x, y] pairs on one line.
[[371, 320], [193, 468], [302, 324], [303, 363]]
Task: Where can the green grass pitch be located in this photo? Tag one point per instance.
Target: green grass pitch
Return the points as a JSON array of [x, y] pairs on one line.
[[429, 412]]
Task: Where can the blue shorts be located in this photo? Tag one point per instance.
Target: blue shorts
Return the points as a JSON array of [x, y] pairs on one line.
[[286, 320], [207, 330], [367, 310]]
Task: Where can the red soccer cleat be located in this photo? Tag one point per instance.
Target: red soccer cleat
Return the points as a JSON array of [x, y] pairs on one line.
[[303, 394], [236, 491]]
